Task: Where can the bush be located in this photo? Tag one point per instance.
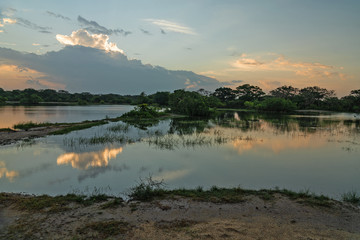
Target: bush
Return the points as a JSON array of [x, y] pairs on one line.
[[276, 105]]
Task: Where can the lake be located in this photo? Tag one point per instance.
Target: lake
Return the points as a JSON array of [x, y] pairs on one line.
[[316, 152], [10, 115]]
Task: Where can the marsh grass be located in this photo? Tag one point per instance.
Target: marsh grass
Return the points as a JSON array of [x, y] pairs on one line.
[[206, 139], [119, 128], [95, 140], [351, 197]]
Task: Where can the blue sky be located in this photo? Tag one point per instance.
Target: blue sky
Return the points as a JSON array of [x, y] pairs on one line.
[[264, 43]]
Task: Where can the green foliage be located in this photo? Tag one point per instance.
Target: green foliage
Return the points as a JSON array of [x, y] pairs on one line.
[[32, 99], [142, 111], [276, 105], [189, 103]]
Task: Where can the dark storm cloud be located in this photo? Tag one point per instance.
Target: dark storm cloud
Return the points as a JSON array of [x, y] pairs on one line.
[[84, 69]]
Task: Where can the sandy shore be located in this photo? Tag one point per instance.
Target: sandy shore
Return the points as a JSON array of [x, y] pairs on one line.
[[180, 218]]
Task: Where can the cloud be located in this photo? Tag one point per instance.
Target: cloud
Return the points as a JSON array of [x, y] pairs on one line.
[[9, 21], [31, 25], [19, 77], [40, 45], [145, 32], [57, 15], [84, 38], [80, 69], [96, 28], [172, 26], [6, 43], [4, 172], [280, 63], [87, 160]]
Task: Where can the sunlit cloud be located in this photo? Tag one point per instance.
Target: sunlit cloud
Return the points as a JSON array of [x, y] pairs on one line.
[[82, 37], [17, 77], [171, 26], [4, 172], [86, 160], [276, 62], [9, 21]]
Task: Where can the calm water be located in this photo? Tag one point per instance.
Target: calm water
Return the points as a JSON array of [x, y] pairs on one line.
[[10, 115], [298, 152]]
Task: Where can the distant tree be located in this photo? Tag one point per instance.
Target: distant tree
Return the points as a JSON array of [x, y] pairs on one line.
[[161, 98], [189, 103], [276, 105], [247, 92], [225, 94], [312, 96], [33, 99], [286, 92]]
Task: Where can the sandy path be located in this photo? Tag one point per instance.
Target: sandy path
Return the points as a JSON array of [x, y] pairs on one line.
[[281, 218]]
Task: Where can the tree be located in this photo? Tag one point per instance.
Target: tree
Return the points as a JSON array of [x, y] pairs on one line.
[[312, 96], [189, 103], [225, 94], [161, 98], [247, 92], [286, 92]]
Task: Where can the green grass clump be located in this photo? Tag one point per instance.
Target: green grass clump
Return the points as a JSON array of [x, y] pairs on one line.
[[28, 125], [351, 197], [146, 190]]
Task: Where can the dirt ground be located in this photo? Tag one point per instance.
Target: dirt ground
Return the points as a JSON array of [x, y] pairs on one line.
[[280, 218], [9, 137]]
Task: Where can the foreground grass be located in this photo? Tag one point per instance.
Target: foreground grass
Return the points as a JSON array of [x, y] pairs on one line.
[[28, 125]]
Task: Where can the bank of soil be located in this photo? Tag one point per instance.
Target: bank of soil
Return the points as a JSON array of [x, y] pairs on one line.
[[11, 136], [182, 218]]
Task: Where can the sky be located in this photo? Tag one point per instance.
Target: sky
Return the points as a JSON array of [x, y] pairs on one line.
[[159, 45]]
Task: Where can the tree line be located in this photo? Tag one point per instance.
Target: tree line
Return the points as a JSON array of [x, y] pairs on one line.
[[200, 103]]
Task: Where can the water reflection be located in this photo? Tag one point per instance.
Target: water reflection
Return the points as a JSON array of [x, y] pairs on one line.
[[86, 160], [254, 150], [4, 172]]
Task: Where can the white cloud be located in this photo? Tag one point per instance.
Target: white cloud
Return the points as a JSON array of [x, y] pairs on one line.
[[172, 26], [82, 37]]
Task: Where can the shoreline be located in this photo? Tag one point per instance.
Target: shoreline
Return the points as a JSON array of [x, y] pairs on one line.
[[175, 217]]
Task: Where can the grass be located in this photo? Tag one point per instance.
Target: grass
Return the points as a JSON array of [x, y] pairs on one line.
[[148, 190], [48, 203], [71, 142], [105, 229], [351, 197], [28, 125], [119, 128]]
